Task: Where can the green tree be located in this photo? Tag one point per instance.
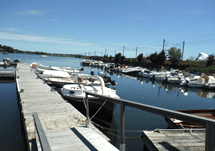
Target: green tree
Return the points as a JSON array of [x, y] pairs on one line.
[[161, 57], [140, 57], [175, 55], [210, 60], [8, 49], [122, 58], [117, 57], [105, 58], [153, 57], [110, 58], [158, 59]]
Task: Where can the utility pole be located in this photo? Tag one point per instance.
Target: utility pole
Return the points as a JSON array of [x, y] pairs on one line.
[[105, 51], [136, 52], [115, 52], [163, 43], [95, 53], [123, 50], [183, 50]]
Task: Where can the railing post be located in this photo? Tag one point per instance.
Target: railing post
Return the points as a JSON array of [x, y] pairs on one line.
[[87, 111], [122, 121], [210, 137]]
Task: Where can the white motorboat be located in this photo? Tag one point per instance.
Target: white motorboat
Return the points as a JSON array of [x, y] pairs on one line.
[[67, 69], [34, 64], [55, 74], [84, 79], [191, 79], [160, 76], [199, 83], [74, 93], [94, 64], [39, 68], [85, 62], [210, 84], [147, 73], [43, 56], [131, 70], [175, 78], [2, 63], [7, 60], [60, 82]]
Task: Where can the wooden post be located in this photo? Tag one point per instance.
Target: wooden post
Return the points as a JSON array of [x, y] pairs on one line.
[[87, 112], [122, 119], [210, 137]]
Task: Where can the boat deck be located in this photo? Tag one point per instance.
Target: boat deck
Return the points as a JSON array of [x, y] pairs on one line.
[[64, 126]]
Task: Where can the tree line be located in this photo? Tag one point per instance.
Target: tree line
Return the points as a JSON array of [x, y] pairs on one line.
[[173, 57], [8, 49]]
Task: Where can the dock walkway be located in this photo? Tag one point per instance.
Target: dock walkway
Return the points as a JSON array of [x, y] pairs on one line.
[[174, 140], [63, 125]]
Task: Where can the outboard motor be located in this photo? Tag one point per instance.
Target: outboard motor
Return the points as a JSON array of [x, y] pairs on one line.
[[92, 72]]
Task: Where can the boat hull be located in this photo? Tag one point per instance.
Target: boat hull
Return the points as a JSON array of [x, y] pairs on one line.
[[104, 115], [131, 72], [174, 123]]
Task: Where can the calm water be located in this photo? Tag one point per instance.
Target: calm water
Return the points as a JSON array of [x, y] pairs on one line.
[[133, 89]]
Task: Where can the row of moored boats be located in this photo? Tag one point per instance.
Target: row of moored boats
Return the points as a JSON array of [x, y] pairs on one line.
[[187, 79], [73, 83]]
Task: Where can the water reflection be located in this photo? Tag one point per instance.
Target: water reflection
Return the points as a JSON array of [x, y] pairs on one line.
[[205, 93]]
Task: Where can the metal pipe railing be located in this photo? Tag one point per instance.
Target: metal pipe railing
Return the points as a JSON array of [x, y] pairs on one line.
[[41, 134], [206, 122]]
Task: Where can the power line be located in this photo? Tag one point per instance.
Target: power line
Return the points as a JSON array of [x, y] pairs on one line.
[[202, 41], [194, 37]]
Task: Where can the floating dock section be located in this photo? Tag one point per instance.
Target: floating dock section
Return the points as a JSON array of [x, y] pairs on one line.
[[7, 74], [63, 125], [174, 140]]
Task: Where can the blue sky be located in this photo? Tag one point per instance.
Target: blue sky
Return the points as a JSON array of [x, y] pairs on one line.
[[91, 26]]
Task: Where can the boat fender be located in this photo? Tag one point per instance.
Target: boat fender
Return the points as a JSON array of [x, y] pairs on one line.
[[92, 72], [46, 81], [71, 92]]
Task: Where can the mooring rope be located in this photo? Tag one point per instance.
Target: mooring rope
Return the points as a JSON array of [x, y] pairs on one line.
[[102, 127], [84, 103], [125, 137], [99, 109], [191, 133]]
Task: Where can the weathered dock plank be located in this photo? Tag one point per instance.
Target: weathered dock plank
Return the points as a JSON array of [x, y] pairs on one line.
[[63, 125], [175, 139]]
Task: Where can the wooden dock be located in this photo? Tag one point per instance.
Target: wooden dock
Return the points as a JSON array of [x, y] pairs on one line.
[[174, 140], [64, 126], [7, 74]]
